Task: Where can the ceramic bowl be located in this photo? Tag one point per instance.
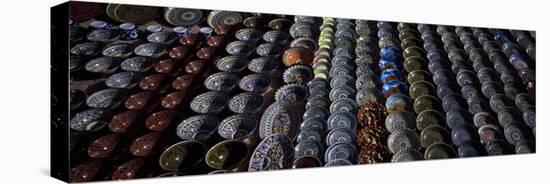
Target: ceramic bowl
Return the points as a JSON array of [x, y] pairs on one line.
[[232, 63], [229, 154], [154, 50], [86, 49], [257, 83], [342, 92], [118, 51], [182, 155], [221, 81], [238, 126], [342, 119], [275, 36], [279, 118], [307, 161], [199, 127], [269, 50], [298, 55], [309, 135], [161, 120], [344, 105], [280, 24], [163, 37], [90, 120], [246, 102], [273, 153], [210, 102], [136, 64], [107, 98], [249, 34], [102, 35], [338, 162], [263, 65], [123, 80], [320, 112], [240, 48], [255, 22]]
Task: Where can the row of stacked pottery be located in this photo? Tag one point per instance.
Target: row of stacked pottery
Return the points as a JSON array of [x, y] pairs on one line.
[[518, 58], [280, 122], [371, 135], [341, 123], [310, 141], [527, 43], [460, 101], [435, 136], [513, 106], [434, 139], [508, 117], [403, 140]]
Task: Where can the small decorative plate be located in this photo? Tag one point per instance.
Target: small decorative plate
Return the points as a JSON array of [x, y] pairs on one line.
[[154, 50], [280, 117], [317, 101], [318, 111], [135, 13], [107, 98], [229, 154], [420, 88], [394, 87], [209, 102], [297, 74], [136, 64], [434, 134], [257, 83], [263, 65], [418, 75], [340, 151], [342, 119], [124, 80], [398, 120], [223, 18], [342, 80], [198, 127], [391, 74], [439, 150], [309, 135], [308, 147], [237, 126], [292, 93], [183, 16], [429, 117], [340, 135], [342, 92], [457, 116], [403, 139], [221, 81], [247, 102], [463, 133], [255, 22], [305, 42], [313, 123], [273, 153], [399, 102], [470, 149], [298, 55], [426, 102]]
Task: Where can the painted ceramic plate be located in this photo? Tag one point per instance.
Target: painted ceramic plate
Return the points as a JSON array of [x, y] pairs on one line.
[[273, 153], [280, 117], [183, 16]]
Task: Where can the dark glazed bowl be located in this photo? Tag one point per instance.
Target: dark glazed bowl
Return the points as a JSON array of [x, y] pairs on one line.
[[182, 156]]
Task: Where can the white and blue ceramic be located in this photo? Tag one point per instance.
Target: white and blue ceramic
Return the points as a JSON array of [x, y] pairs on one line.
[[128, 31]]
